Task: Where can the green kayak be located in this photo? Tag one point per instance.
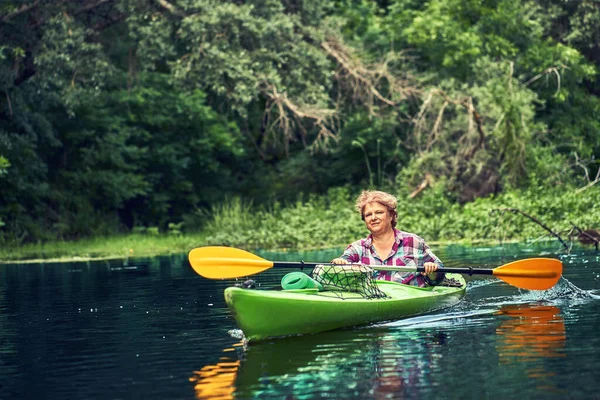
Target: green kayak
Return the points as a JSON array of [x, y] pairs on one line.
[[263, 314]]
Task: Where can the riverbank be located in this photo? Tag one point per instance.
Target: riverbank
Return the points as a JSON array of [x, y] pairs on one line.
[[102, 248], [329, 221], [123, 247]]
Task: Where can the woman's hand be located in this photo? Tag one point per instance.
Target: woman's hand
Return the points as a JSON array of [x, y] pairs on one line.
[[341, 261], [430, 267]]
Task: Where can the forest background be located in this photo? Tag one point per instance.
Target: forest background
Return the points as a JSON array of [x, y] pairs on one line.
[[256, 123]]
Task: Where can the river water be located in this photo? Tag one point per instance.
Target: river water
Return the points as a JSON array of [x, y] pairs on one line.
[[153, 329]]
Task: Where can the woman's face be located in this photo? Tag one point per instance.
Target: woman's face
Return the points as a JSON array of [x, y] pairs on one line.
[[377, 218]]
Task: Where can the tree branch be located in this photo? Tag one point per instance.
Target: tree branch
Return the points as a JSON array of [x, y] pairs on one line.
[[587, 175], [426, 182], [23, 9], [170, 7], [290, 115], [590, 236], [363, 81], [91, 6], [517, 211]]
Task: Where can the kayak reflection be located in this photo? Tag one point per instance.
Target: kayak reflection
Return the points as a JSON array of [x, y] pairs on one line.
[[339, 364], [399, 361]]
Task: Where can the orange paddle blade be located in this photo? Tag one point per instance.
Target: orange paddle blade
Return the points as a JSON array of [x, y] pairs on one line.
[[219, 262], [531, 273]]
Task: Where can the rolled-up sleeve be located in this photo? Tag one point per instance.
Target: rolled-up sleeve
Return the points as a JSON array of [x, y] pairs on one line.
[[351, 254], [428, 256]]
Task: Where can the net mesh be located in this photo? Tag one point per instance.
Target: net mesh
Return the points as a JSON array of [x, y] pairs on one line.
[[341, 279]]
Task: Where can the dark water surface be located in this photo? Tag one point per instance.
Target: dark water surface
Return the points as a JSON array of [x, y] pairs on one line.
[[153, 329]]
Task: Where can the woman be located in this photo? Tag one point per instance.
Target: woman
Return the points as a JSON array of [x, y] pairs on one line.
[[387, 245]]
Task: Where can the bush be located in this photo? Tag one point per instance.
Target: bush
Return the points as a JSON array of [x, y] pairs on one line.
[[331, 221]]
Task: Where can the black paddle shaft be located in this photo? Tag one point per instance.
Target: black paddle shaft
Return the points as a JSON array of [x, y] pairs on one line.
[[295, 264], [466, 270]]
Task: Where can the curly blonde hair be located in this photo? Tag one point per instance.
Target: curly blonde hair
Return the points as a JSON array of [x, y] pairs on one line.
[[376, 196]]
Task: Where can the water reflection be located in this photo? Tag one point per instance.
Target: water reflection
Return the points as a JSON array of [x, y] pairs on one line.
[[387, 362], [530, 335], [340, 364], [217, 381], [307, 364], [531, 332], [406, 361]]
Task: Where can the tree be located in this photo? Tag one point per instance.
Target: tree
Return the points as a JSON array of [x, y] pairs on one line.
[[497, 62], [119, 114]]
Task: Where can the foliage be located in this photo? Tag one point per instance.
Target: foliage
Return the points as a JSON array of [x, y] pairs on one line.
[[498, 62], [120, 115], [331, 221], [134, 155], [497, 76], [310, 223], [4, 164]]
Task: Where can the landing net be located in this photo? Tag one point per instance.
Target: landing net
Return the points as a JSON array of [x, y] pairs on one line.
[[354, 278]]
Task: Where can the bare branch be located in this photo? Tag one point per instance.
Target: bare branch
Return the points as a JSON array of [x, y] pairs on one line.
[[426, 182], [421, 119], [92, 6], [583, 166], [436, 127], [587, 175], [549, 70], [23, 9], [171, 8], [361, 86], [517, 211], [589, 185], [364, 81], [290, 117]]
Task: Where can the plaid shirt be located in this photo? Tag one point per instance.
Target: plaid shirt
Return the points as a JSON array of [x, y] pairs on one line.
[[407, 248]]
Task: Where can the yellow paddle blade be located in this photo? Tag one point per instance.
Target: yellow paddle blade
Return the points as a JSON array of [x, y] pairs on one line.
[[531, 273], [219, 262]]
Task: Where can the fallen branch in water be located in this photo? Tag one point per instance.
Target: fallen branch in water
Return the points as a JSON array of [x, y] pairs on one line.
[[588, 236], [517, 211]]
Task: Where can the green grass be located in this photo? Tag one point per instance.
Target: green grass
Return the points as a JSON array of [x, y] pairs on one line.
[[120, 246]]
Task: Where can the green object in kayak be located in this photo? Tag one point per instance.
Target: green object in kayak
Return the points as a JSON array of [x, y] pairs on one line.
[[299, 280], [262, 314]]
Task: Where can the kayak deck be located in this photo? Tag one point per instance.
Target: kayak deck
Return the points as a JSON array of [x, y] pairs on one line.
[[263, 314]]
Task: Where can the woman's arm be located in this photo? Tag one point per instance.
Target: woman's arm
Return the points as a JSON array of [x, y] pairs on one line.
[[350, 256]]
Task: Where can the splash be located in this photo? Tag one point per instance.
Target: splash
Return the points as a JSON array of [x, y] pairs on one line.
[[236, 334], [564, 290], [439, 320], [473, 312], [481, 282]]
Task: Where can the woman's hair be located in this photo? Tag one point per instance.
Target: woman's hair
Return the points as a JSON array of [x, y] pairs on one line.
[[376, 196]]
